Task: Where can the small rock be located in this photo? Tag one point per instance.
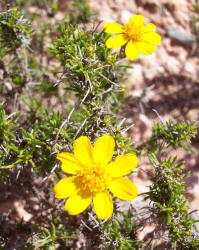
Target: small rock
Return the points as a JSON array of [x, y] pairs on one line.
[[136, 74], [182, 36], [170, 63], [1, 74], [59, 16], [173, 65], [8, 86], [125, 16], [21, 212], [161, 69], [190, 68]]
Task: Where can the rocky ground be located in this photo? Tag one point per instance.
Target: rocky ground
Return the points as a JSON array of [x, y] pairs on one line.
[[163, 85]]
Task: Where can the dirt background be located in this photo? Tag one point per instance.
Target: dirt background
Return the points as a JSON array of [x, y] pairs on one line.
[[163, 85]]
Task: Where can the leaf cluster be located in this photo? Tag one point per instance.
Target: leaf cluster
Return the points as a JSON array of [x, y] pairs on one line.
[[86, 61], [169, 203], [122, 233], [172, 134], [31, 143], [15, 31], [50, 236]]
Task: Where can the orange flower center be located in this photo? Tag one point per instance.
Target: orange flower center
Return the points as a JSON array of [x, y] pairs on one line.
[[94, 178], [132, 32]]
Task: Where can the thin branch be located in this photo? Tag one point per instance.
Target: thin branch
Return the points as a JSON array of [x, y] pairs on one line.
[[81, 126], [65, 122], [126, 129], [90, 229], [114, 83]]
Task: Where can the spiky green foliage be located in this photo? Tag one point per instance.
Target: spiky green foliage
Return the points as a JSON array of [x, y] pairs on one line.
[[15, 31], [121, 232], [50, 95], [171, 134], [170, 205]]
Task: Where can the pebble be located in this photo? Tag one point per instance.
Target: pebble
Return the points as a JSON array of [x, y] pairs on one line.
[[125, 16], [182, 36]]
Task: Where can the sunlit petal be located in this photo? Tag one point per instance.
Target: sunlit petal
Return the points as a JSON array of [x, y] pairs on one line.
[[83, 150], [123, 165], [123, 188], [66, 187], [103, 205], [131, 51], [103, 149], [116, 41], [152, 37], [113, 28], [149, 27], [77, 203], [137, 20], [145, 48], [70, 164]]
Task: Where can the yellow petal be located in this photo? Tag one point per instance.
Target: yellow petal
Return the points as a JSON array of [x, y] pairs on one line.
[[149, 27], [152, 37], [103, 149], [116, 41], [103, 205], [123, 165], [123, 188], [131, 51], [145, 47], [137, 20], [77, 203], [113, 28], [65, 187], [83, 150], [70, 163]]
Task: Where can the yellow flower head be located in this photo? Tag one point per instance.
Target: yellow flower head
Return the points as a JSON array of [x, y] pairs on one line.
[[93, 175], [137, 37]]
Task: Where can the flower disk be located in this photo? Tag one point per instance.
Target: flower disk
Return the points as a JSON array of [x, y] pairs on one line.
[[94, 178], [93, 175], [135, 35]]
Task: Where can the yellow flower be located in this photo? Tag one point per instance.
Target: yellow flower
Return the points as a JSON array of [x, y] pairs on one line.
[[137, 37], [93, 175]]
